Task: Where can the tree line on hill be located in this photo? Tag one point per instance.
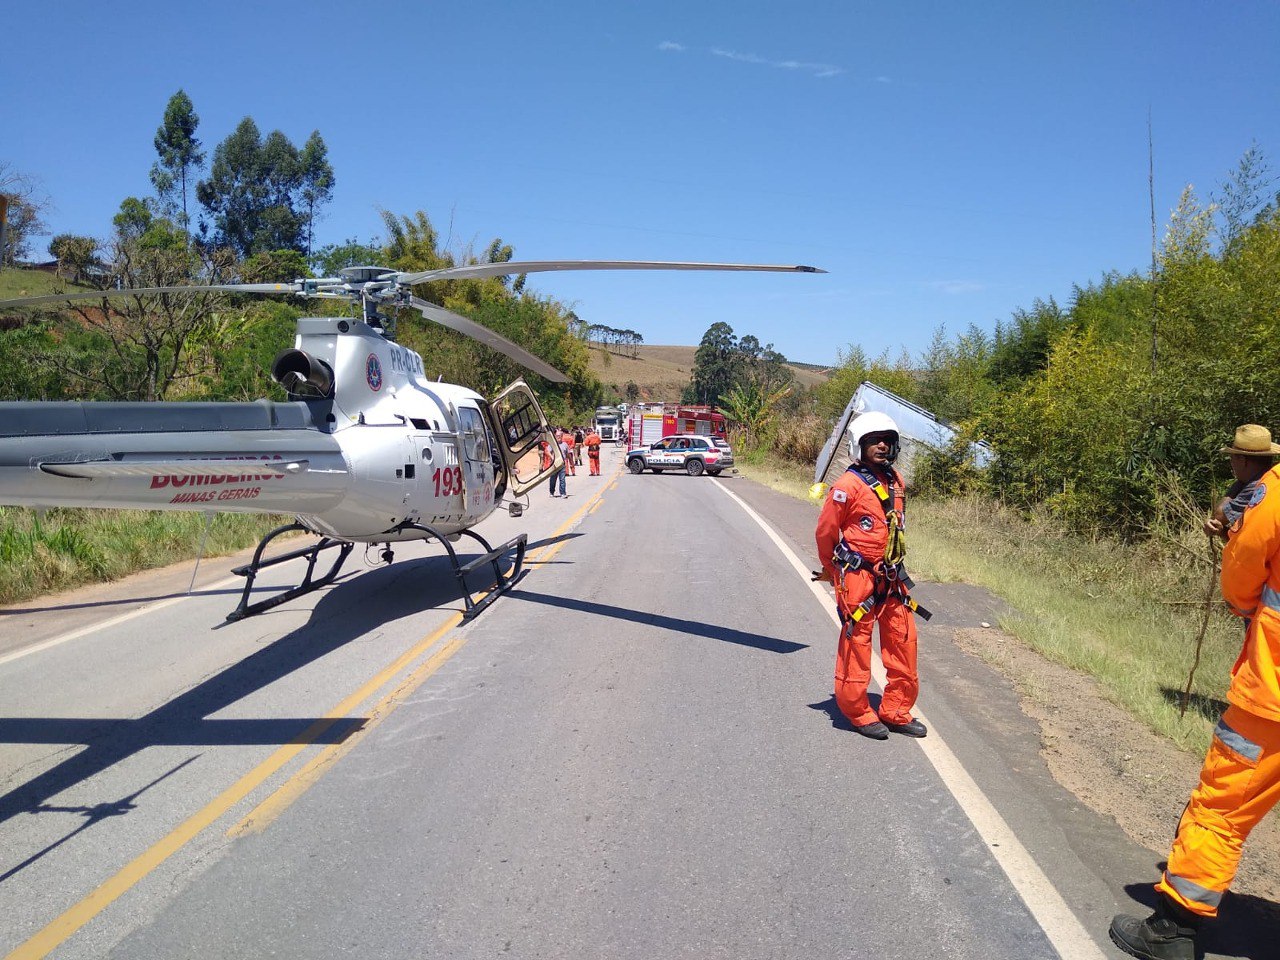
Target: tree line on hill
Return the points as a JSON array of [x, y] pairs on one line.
[[1103, 410], [251, 217], [628, 340]]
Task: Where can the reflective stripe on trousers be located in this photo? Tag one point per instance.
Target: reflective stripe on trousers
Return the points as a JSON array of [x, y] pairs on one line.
[[1239, 784]]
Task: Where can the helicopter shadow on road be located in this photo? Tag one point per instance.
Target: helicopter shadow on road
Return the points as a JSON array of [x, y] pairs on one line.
[[344, 613], [550, 541], [1245, 929], [697, 628]]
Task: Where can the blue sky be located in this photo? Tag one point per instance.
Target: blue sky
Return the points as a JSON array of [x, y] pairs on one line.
[[947, 163]]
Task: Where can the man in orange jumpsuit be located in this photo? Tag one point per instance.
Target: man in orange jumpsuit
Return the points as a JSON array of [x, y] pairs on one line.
[[861, 543], [592, 441], [566, 440], [1240, 781]]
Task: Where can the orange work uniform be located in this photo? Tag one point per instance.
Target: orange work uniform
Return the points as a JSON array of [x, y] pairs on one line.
[[593, 452], [1240, 780], [853, 513]]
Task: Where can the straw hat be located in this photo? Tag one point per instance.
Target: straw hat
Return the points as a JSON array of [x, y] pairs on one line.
[[1253, 440]]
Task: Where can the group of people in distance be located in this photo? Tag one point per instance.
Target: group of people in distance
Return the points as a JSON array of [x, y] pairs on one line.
[[570, 442]]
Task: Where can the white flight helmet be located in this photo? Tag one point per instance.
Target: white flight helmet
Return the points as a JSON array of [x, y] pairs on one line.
[[872, 421]]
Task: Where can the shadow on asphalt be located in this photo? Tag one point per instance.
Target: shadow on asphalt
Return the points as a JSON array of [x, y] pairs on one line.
[[548, 541], [838, 720], [386, 594], [696, 628], [229, 591], [1246, 927]]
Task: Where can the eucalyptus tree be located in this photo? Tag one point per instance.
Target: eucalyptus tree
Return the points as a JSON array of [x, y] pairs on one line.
[[180, 155], [263, 193]]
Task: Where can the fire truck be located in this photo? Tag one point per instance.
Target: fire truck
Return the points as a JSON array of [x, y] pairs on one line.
[[650, 422]]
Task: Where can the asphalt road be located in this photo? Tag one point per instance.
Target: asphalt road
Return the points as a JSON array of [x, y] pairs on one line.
[[633, 754]]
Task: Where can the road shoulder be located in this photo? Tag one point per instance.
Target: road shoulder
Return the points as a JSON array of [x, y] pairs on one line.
[[1106, 791]]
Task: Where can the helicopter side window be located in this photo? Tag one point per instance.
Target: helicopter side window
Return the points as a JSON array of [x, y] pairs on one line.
[[475, 441], [522, 427]]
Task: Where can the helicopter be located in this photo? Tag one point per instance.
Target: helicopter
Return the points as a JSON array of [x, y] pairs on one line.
[[367, 449]]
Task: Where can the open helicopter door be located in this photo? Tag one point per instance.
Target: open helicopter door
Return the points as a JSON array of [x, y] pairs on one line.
[[522, 432]]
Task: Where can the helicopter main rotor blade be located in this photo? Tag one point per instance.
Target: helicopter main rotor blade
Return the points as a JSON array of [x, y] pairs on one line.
[[477, 270], [494, 341], [148, 291]]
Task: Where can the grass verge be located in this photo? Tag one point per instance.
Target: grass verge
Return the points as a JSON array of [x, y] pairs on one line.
[[44, 552], [1126, 615]]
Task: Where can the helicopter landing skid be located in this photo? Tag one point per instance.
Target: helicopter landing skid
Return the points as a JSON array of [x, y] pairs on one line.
[[312, 553], [504, 581]]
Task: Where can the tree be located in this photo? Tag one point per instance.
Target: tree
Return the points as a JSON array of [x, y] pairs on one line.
[[1246, 195], [896, 376], [263, 194], [273, 266], [26, 206], [753, 407], [714, 365], [317, 181], [180, 154], [139, 347], [331, 258], [75, 254]]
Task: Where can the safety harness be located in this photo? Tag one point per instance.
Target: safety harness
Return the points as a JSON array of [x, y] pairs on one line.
[[890, 571]]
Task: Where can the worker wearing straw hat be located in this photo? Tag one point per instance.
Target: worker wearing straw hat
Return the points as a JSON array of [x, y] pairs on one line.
[[1240, 781]]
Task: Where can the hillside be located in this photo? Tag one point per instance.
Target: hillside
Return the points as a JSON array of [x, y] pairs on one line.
[[19, 282], [662, 373]]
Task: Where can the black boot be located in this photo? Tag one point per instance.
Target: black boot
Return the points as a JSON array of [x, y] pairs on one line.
[[875, 730], [1168, 934], [912, 728]]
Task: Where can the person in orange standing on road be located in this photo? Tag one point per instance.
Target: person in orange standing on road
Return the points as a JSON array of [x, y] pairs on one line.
[[861, 543], [1240, 780], [566, 439], [592, 440]]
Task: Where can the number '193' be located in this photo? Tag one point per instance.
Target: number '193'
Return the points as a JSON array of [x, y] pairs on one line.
[[448, 481]]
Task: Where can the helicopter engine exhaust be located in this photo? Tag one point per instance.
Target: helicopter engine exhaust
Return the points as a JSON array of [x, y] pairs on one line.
[[302, 374]]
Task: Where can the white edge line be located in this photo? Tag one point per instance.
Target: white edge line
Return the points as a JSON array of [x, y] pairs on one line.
[[105, 624], [1060, 925]]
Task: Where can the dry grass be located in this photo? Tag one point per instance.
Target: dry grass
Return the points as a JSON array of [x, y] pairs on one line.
[[1126, 615], [661, 372]]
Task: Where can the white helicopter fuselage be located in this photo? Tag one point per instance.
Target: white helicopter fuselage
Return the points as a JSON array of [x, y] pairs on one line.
[[378, 448]]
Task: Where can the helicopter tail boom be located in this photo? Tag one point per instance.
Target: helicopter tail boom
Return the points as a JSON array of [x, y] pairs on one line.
[[242, 458]]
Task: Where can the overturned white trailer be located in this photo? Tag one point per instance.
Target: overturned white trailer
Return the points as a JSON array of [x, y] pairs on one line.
[[917, 429]]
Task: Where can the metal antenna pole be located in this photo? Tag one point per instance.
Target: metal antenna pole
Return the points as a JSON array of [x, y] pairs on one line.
[[204, 538]]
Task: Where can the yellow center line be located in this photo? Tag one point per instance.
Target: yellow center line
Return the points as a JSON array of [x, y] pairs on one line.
[[65, 925], [266, 813]]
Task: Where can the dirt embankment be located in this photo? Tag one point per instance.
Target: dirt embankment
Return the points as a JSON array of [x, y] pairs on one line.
[[1116, 766]]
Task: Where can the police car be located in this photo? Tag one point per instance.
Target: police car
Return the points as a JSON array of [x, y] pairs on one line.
[[692, 454]]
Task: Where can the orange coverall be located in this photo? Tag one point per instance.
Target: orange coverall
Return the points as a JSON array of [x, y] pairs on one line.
[[1240, 780], [592, 441], [852, 512]]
